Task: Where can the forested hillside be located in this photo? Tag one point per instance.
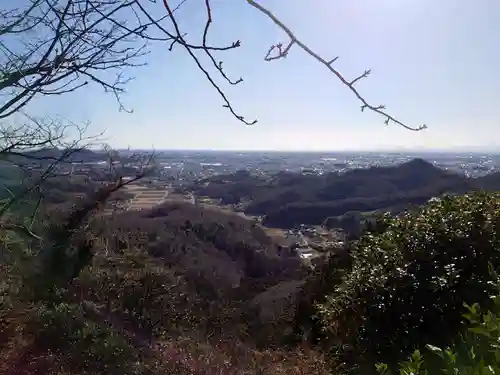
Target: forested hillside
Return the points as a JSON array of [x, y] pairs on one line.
[[290, 199]]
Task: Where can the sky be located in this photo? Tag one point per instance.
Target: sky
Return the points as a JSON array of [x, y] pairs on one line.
[[433, 61]]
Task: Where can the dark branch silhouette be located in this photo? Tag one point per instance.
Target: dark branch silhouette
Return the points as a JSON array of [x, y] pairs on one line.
[[282, 52]]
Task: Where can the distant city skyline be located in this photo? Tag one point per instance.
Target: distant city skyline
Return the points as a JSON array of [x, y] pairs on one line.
[[433, 62]]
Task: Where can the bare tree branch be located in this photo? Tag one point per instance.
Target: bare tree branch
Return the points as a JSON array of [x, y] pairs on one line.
[[282, 52], [56, 47], [180, 38], [69, 44]]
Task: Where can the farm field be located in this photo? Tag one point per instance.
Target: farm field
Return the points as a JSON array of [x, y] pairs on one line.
[[143, 198]]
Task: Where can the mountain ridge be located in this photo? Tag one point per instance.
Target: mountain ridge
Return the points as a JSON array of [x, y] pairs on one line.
[[289, 199]]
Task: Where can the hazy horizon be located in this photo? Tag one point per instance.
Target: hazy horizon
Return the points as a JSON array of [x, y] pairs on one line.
[[410, 151]]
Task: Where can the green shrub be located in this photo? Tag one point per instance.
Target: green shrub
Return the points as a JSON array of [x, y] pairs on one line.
[[408, 284], [475, 353]]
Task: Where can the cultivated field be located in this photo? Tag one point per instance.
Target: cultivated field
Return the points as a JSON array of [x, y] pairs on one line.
[[145, 197]]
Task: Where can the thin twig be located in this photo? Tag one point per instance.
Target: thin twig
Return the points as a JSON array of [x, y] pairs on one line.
[[283, 52], [180, 37]]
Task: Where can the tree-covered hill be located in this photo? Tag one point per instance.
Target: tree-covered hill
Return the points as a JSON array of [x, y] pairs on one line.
[[289, 199]]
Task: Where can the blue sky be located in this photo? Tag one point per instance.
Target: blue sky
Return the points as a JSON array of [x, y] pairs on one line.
[[435, 62]]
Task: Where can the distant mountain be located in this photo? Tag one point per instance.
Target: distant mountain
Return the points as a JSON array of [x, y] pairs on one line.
[[289, 199], [79, 155]]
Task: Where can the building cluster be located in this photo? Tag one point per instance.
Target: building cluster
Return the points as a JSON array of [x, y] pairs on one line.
[[310, 242]]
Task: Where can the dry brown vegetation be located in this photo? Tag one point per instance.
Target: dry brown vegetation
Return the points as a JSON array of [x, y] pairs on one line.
[[179, 289]]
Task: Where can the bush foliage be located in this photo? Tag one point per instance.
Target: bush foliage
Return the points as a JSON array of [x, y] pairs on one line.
[[476, 352], [407, 285]]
